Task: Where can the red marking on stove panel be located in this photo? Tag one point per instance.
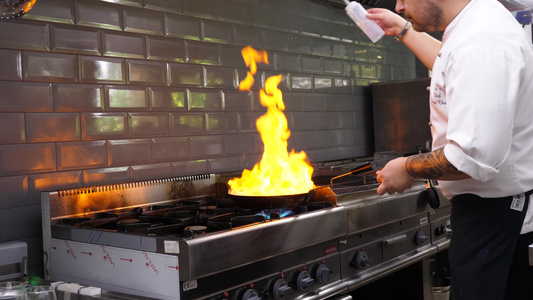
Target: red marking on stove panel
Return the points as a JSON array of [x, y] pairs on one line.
[[88, 253], [70, 252], [150, 264], [107, 257], [126, 259], [174, 267], [330, 250]]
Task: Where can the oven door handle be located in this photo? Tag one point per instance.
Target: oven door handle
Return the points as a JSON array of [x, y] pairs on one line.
[[394, 240]]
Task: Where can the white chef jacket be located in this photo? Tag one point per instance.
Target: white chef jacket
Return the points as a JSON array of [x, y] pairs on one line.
[[481, 103]]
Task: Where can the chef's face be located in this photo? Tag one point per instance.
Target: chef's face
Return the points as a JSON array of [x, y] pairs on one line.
[[425, 15]]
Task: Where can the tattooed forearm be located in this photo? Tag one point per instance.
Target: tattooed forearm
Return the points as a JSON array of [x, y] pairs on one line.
[[432, 165]]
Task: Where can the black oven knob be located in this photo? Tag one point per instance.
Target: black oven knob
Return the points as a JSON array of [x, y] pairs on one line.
[[251, 294], [360, 261], [421, 237], [281, 289], [440, 230], [304, 281], [323, 274]]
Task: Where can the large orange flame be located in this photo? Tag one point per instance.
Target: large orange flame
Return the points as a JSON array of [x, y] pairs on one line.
[[278, 172], [251, 58]]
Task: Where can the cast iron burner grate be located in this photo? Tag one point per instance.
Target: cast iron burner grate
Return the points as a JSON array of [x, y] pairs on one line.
[[185, 219], [354, 189]]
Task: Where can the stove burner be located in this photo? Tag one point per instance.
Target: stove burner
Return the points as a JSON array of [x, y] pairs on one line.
[[169, 229], [198, 229], [131, 225], [181, 214], [247, 220], [217, 210], [185, 219], [193, 231], [107, 220], [276, 214]]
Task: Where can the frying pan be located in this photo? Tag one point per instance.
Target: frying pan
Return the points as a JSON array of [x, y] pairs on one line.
[[268, 202], [286, 201]]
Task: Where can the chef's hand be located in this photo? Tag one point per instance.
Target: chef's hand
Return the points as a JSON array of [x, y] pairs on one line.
[[393, 178], [390, 22]]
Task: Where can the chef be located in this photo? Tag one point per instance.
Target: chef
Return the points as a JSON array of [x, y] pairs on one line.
[[481, 113]]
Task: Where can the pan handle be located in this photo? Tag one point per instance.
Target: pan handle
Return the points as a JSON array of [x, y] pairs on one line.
[[311, 194], [357, 170]]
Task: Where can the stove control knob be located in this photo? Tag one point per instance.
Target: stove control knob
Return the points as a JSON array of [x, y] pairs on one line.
[[421, 237], [251, 294], [440, 230], [360, 261], [281, 289], [304, 281], [323, 274]]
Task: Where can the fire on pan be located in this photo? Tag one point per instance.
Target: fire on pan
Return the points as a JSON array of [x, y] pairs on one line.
[[281, 179]]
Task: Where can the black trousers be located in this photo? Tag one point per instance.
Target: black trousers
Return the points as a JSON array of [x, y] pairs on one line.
[[488, 256]]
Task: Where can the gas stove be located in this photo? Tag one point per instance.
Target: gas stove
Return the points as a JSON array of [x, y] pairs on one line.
[[184, 238]]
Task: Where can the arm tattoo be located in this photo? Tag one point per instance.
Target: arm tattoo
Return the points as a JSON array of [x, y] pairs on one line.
[[430, 165]]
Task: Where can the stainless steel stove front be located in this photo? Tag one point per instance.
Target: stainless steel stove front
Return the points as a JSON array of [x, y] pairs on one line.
[[315, 255]]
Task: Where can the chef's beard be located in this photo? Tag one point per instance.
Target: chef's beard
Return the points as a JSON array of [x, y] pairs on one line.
[[429, 18]]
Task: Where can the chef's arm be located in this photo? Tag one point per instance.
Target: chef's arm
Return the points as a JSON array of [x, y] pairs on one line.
[[424, 46], [433, 165]]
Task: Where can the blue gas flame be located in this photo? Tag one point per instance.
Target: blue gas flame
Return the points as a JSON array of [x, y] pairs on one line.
[[282, 213]]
